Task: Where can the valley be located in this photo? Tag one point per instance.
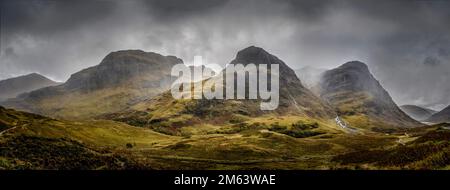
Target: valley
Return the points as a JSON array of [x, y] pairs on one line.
[[113, 145]]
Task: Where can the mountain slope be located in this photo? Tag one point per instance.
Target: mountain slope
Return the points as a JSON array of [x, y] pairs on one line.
[[12, 87], [441, 117], [166, 111], [360, 98], [416, 112], [120, 80]]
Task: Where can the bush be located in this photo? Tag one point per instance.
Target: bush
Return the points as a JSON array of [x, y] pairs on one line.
[[303, 126], [129, 145], [301, 134], [298, 130], [57, 153]]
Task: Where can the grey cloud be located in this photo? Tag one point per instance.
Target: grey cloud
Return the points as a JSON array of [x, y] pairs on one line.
[[179, 10], [399, 39], [47, 17], [431, 61]]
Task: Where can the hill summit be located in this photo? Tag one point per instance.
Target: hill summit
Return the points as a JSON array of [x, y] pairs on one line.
[[12, 87]]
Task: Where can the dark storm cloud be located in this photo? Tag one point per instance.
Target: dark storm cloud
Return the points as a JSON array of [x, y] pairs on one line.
[[52, 16], [405, 42], [178, 10], [39, 32]]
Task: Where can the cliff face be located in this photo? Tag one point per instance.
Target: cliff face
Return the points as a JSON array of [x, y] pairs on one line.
[[355, 93]]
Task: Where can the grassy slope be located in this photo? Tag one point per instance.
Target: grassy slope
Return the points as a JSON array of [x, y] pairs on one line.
[[359, 112], [239, 141], [38, 142], [91, 104], [426, 148]]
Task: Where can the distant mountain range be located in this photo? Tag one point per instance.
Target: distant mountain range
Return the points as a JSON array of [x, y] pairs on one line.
[[357, 96], [12, 87], [418, 113]]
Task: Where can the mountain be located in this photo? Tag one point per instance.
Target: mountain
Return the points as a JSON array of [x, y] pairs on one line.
[[440, 117], [294, 97], [12, 87], [166, 111], [416, 112], [360, 99], [310, 76], [120, 80]]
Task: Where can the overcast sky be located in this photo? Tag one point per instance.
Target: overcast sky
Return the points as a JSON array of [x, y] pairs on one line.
[[405, 43]]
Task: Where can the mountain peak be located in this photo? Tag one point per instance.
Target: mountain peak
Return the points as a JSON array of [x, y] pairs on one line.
[[12, 87], [353, 75], [120, 67], [355, 65], [34, 75], [131, 56], [256, 55], [252, 51], [30, 75], [128, 52]]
